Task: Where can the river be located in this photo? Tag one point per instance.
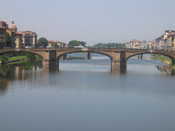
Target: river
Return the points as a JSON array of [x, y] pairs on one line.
[[85, 96]]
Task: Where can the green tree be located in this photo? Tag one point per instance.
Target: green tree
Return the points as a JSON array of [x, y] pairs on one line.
[[9, 41], [74, 43], [109, 45], [42, 42], [83, 43], [3, 59], [2, 43]]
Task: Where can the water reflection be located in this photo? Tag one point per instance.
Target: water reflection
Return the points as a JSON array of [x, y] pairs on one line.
[[86, 98], [36, 73], [10, 73], [166, 69], [4, 84], [147, 60]]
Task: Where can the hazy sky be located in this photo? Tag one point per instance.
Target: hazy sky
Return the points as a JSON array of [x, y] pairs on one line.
[[91, 20]]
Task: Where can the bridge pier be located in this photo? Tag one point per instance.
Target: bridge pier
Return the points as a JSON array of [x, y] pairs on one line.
[[50, 62], [115, 66], [115, 62], [88, 55], [173, 61], [118, 63], [123, 62]]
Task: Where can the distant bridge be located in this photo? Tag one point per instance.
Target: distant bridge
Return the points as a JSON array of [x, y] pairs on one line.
[[118, 57]]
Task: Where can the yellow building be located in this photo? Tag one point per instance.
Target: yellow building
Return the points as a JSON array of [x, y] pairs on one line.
[[52, 44], [169, 38], [56, 44], [18, 40], [135, 44]]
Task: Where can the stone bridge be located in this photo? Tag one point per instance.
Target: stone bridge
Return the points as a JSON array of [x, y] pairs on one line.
[[118, 57]]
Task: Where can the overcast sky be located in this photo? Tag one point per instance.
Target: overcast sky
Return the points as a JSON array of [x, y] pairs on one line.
[[92, 21]]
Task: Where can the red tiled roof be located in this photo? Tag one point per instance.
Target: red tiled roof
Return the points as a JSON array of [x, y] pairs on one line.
[[52, 41], [3, 24], [18, 33]]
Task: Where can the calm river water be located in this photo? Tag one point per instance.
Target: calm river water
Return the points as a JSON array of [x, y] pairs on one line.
[[85, 96]]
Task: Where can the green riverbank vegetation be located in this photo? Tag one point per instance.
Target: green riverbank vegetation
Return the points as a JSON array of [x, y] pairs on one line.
[[164, 59], [19, 58], [7, 70], [169, 66]]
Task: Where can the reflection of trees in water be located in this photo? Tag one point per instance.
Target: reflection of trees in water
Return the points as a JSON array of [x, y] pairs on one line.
[[9, 73], [6, 71], [166, 68], [4, 86]]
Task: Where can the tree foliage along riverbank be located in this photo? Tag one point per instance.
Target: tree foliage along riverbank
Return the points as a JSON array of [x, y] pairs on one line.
[[7, 71], [75, 43], [23, 60], [23, 57], [109, 45], [163, 59]]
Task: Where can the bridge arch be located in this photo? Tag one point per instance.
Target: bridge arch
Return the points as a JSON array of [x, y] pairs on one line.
[[151, 52], [110, 55]]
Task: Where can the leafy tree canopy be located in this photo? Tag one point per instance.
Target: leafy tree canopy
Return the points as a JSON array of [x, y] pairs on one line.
[[83, 43], [9, 40], [109, 45], [42, 42], [74, 43]]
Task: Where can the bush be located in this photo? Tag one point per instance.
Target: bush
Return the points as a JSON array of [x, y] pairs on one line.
[[3, 59]]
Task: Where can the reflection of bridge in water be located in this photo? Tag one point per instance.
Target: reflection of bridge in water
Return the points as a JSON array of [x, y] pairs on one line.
[[118, 57]]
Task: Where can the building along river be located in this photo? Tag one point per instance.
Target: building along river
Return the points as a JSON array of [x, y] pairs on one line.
[[85, 96]]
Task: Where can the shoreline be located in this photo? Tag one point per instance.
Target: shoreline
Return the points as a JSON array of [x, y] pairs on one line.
[[17, 59]]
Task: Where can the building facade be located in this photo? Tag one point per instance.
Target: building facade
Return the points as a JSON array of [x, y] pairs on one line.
[[7, 34], [18, 40], [166, 41], [56, 44], [29, 39], [136, 44], [3, 29]]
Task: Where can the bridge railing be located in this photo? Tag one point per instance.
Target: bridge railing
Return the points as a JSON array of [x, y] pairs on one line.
[[107, 49]]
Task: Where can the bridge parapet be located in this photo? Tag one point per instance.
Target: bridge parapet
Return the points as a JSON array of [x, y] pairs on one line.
[[118, 57]]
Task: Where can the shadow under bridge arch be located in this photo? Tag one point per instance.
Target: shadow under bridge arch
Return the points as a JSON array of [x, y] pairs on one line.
[[108, 54], [153, 53]]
